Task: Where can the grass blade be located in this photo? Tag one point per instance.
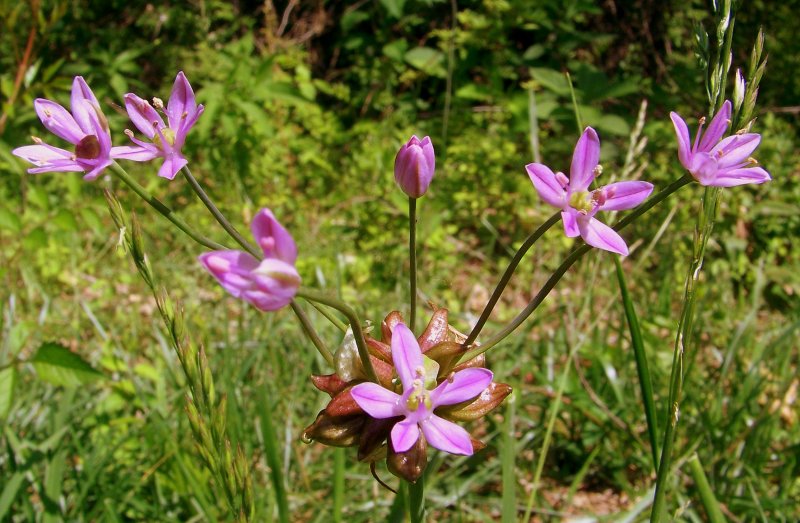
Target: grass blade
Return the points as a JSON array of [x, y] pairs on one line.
[[273, 456], [707, 498], [645, 382]]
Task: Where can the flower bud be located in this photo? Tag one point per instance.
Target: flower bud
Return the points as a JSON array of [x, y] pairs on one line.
[[414, 166], [408, 465], [335, 431]]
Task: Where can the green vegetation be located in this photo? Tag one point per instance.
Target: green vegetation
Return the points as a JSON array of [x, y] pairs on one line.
[[306, 106]]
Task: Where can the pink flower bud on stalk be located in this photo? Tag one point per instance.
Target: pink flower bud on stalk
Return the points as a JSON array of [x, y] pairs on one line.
[[267, 284], [414, 166]]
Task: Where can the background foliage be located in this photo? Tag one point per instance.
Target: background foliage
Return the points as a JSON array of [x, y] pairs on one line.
[[306, 105]]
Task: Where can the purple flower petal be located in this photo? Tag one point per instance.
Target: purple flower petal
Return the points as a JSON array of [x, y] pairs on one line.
[[570, 219], [81, 93], [684, 140], [546, 184], [446, 435], [414, 166], [58, 121], [181, 105], [404, 435], [42, 154], [134, 153], [274, 240], [465, 385], [220, 263], [377, 401], [624, 195], [406, 355], [600, 235], [704, 168], [172, 164], [584, 160], [716, 129], [143, 115], [742, 176], [735, 149], [96, 171]]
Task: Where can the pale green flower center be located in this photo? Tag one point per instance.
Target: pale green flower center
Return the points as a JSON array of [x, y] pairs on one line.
[[169, 136], [581, 201], [418, 397]]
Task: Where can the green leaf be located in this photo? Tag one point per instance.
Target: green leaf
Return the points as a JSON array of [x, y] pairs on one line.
[[395, 7], [551, 80], [10, 491], [427, 59], [8, 378], [9, 220], [57, 365]]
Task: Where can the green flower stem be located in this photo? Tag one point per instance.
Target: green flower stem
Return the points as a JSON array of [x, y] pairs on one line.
[[308, 328], [339, 324], [156, 204], [416, 501], [501, 286], [566, 264], [707, 497], [412, 258], [355, 324], [229, 228], [705, 224]]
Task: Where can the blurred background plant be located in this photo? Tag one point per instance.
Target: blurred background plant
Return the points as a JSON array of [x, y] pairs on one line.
[[306, 105]]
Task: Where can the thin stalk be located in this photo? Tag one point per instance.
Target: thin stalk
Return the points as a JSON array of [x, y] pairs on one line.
[[355, 324], [642, 370], [397, 512], [273, 455], [308, 328], [229, 228], [508, 453], [578, 119], [551, 421], [512, 266], [705, 224], [338, 484], [707, 497], [339, 324], [412, 259], [416, 501], [165, 211], [566, 264]]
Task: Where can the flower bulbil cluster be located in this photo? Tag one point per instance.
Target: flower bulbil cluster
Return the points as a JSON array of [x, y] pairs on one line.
[[423, 391]]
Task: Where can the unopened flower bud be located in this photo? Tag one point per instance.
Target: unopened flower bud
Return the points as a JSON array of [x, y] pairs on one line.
[[414, 166], [335, 431], [408, 465]]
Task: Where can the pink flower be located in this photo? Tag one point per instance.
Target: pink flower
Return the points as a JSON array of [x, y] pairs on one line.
[[268, 284], [414, 166], [86, 128], [417, 404], [166, 140], [579, 205], [715, 161]]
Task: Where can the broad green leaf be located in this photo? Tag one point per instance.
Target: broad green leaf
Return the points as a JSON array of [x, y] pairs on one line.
[[59, 366], [395, 7], [551, 80], [10, 490], [427, 59], [8, 378]]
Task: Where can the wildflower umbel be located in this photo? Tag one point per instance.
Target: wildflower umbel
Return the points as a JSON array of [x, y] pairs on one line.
[[268, 284], [85, 127], [717, 161], [416, 404], [579, 205], [166, 140], [414, 166]]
